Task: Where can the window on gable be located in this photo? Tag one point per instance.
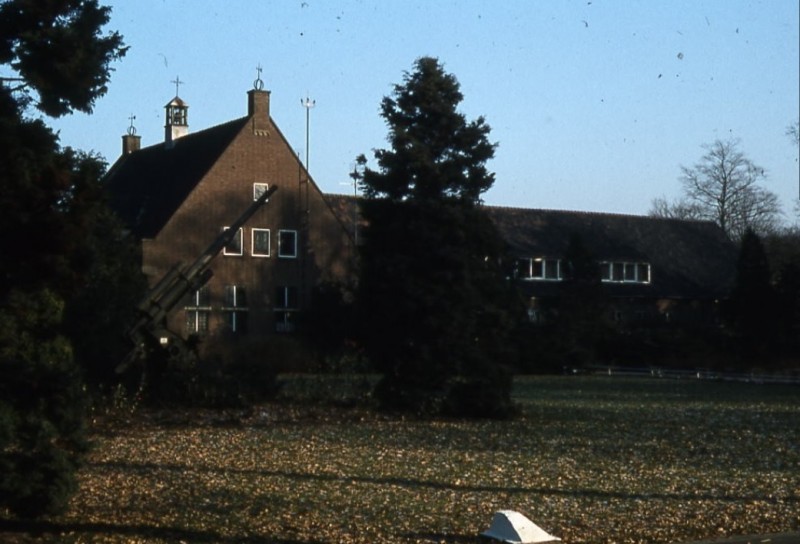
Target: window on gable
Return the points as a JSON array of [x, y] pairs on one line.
[[197, 311], [259, 189], [235, 308], [260, 242], [286, 305], [287, 244], [234, 247], [286, 297]]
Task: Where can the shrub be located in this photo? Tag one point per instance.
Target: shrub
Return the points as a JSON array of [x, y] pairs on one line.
[[42, 407]]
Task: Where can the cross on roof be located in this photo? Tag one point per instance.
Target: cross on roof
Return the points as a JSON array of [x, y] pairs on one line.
[[177, 81]]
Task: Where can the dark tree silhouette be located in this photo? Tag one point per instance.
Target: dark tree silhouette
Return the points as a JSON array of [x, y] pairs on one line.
[[51, 206], [754, 304], [435, 305]]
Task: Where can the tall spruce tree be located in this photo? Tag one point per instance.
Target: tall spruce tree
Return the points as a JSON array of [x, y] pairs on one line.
[[580, 325], [60, 61], [437, 313], [754, 304]]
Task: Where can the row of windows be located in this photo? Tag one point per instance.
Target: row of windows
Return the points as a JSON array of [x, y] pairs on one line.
[[234, 308], [625, 272], [260, 243], [610, 271]]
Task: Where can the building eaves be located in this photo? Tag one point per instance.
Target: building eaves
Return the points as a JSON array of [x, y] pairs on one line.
[[147, 186]]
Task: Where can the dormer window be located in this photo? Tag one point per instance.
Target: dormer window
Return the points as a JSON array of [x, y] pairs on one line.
[[624, 272], [539, 268]]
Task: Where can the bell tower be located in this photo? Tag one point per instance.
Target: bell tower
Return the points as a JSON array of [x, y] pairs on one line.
[[177, 117]]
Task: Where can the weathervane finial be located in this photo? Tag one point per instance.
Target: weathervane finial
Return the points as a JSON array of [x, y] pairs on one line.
[[258, 84], [131, 128]]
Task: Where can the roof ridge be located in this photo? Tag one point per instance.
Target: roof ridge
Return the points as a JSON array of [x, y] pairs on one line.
[[571, 212], [555, 210], [600, 213], [193, 135]]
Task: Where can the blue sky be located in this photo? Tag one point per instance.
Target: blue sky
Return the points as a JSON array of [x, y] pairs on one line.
[[595, 104]]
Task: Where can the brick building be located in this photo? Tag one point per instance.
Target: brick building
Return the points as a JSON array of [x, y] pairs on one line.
[[178, 195]]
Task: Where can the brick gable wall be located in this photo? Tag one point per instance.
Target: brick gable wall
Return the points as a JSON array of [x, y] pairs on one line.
[[258, 154]]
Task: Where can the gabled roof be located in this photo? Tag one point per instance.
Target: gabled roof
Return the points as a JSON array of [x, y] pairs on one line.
[[147, 186]]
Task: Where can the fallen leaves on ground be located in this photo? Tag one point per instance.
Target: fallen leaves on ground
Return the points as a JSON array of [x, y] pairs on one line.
[[593, 460]]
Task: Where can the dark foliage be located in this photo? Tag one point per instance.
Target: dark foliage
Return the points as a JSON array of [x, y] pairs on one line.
[[57, 49], [329, 326], [753, 305], [104, 302], [581, 314], [436, 318], [52, 220], [42, 406], [783, 252]]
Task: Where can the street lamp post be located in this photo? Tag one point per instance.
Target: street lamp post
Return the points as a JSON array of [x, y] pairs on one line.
[[307, 103]]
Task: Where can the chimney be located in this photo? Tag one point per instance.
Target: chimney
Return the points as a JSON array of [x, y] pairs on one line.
[[131, 143], [177, 120], [258, 111]]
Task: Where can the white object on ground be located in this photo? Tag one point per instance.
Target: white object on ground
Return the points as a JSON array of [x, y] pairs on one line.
[[514, 528]]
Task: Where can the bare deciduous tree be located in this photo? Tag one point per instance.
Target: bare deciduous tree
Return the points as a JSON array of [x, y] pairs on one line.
[[724, 187], [679, 209], [793, 132]]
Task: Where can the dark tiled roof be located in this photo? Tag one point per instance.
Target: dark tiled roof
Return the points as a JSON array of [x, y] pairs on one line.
[[689, 259], [344, 207], [147, 186]]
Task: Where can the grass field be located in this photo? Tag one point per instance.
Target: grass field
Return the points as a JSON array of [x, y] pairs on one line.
[[592, 460]]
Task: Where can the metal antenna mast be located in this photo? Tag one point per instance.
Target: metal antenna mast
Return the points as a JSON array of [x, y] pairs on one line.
[[307, 104]]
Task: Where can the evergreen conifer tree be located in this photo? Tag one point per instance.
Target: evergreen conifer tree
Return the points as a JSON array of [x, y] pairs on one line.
[[754, 304], [50, 209], [437, 312]]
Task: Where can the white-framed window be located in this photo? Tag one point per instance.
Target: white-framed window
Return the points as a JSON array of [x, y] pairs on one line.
[[259, 242], [539, 268], [259, 189], [287, 244], [235, 308], [624, 272], [197, 311], [286, 305], [643, 272], [234, 247]]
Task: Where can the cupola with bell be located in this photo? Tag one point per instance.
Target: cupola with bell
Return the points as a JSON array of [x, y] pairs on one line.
[[177, 116]]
